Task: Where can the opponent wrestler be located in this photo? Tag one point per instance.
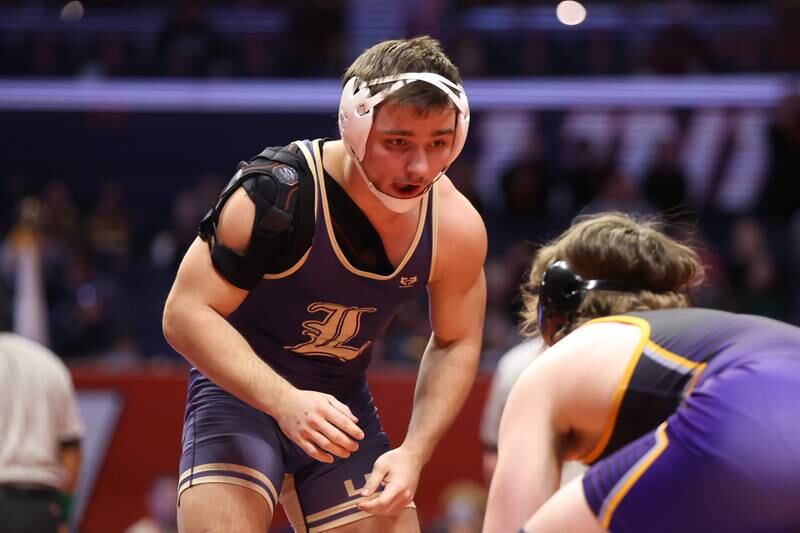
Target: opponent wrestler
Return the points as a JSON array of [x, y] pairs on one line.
[[688, 417]]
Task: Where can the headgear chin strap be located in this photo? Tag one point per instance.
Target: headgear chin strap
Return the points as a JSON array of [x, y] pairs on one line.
[[356, 114], [397, 205], [562, 291]]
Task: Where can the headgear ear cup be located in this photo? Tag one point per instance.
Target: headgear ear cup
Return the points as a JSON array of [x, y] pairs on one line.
[[562, 291], [355, 118], [356, 108]]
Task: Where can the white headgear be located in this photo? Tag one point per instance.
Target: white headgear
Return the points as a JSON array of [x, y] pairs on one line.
[[356, 108], [356, 115]]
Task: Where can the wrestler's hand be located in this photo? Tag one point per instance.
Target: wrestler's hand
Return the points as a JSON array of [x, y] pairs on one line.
[[319, 423], [398, 470]]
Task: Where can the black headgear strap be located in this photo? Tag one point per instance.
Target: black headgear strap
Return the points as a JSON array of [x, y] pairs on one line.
[[562, 291]]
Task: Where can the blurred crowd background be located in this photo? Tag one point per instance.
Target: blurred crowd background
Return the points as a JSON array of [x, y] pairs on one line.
[[116, 196], [97, 206], [310, 38]]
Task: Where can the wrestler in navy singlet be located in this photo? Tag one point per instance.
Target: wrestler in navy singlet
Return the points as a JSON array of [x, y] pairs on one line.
[[315, 325], [705, 433]]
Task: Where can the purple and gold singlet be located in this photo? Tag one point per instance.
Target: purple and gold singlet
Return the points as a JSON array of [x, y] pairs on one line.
[[705, 434], [314, 324]]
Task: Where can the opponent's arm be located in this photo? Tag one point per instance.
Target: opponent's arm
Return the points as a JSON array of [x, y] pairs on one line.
[[529, 462], [195, 325], [449, 364], [557, 410]]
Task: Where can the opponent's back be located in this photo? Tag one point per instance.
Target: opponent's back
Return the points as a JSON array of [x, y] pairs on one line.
[[681, 350], [720, 339], [706, 428]]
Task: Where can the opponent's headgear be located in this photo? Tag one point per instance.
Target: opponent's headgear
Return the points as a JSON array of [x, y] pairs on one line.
[[562, 291], [356, 114]]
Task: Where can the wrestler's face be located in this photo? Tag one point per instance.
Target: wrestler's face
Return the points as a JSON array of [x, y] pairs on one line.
[[407, 148]]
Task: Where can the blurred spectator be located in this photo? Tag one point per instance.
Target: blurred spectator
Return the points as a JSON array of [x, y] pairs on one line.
[[585, 171], [787, 41], [110, 226], [500, 332], [93, 312], [187, 42], [526, 186], [318, 27], [462, 172], [21, 256], [754, 272], [469, 55], [256, 57], [60, 218], [619, 193], [780, 197], [161, 502], [464, 503], [678, 49], [665, 182], [488, 38], [604, 57], [715, 291], [188, 208]]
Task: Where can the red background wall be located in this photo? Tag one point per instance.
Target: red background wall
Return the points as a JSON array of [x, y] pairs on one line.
[[146, 442]]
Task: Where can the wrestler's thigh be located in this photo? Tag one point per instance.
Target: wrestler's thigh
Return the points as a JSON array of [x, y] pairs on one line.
[[222, 507]]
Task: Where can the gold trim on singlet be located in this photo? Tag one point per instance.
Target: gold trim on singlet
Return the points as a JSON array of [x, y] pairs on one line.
[[186, 481], [230, 480], [434, 228], [355, 517], [626, 482], [228, 467], [696, 368], [331, 511], [343, 259], [622, 386], [290, 502]]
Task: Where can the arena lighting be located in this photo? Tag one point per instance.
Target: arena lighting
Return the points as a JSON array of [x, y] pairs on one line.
[[570, 13], [72, 11], [314, 96]]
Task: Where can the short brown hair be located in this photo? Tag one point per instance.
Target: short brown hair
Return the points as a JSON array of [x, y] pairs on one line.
[[420, 54], [615, 246]]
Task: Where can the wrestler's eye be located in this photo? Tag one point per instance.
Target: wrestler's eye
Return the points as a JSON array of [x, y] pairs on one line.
[[398, 141]]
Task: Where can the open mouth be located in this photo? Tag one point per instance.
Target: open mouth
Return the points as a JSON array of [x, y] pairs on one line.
[[407, 190]]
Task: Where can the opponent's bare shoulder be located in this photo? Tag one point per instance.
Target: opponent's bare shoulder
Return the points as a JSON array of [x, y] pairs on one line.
[[461, 235], [579, 377]]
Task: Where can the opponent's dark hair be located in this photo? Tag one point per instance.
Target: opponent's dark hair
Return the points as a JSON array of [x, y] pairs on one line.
[[615, 246]]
